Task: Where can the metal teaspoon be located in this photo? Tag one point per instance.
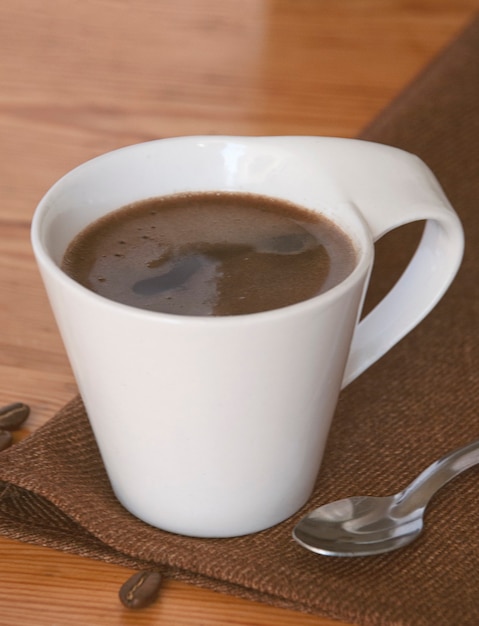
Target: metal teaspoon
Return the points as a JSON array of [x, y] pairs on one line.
[[366, 525]]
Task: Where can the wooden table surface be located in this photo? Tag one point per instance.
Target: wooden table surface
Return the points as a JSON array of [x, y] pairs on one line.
[[79, 78]]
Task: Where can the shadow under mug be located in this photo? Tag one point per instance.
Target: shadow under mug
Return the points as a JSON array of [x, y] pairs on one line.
[[215, 426]]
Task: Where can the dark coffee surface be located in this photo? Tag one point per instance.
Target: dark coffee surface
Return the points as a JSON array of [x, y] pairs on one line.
[[210, 254]]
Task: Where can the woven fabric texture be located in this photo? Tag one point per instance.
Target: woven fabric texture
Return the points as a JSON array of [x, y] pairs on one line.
[[409, 409]]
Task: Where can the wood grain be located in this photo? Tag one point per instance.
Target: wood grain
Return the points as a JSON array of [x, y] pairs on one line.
[[80, 78]]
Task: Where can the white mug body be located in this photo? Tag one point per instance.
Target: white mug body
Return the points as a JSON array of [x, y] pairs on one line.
[[207, 426]]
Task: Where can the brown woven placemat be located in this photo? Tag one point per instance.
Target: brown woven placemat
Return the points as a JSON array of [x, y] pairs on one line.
[[413, 406]]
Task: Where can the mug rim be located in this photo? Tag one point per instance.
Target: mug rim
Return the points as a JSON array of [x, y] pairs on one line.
[[361, 237]]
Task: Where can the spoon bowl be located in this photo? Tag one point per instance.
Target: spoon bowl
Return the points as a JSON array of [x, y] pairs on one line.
[[367, 525], [357, 526]]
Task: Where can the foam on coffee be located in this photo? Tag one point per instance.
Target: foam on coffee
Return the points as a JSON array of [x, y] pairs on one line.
[[210, 253]]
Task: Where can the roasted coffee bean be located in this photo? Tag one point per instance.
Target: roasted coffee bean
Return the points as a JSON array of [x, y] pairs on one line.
[[5, 439], [13, 415], [141, 589]]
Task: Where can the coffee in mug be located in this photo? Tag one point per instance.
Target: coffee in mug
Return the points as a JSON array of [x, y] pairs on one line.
[[213, 253]]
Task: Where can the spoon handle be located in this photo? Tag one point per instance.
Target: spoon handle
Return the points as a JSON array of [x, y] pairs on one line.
[[421, 490]]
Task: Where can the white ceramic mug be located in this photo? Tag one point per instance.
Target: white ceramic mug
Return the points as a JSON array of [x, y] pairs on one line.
[[215, 426]]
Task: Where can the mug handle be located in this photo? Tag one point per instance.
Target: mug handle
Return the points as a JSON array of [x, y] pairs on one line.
[[391, 188]]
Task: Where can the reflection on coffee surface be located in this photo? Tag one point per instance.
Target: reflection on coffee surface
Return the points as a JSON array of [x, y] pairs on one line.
[[210, 253]]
